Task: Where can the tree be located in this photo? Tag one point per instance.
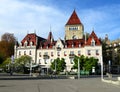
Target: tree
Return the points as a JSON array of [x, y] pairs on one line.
[[81, 60], [6, 64], [8, 37], [7, 46], [85, 63], [58, 64], [91, 62], [1, 58], [22, 61]]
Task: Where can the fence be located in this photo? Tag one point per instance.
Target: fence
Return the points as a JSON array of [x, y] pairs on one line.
[[114, 69]]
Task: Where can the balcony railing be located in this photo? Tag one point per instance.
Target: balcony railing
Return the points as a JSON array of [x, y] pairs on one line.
[[45, 56]]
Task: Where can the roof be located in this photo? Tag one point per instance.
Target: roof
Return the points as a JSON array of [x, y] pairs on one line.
[[48, 43], [74, 19], [74, 43], [91, 37], [50, 37], [32, 38]]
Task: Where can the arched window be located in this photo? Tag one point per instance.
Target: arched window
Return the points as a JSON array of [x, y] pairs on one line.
[[31, 43], [74, 37], [93, 42], [25, 44]]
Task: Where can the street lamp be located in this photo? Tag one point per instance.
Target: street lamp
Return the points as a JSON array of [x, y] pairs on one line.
[[101, 69], [11, 68], [109, 63], [78, 68], [31, 68]]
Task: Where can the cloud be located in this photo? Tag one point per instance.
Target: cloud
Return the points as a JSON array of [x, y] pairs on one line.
[[22, 17], [104, 20]]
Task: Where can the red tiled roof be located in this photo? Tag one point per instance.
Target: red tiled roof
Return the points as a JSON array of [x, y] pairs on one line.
[[50, 36], [93, 36], [76, 43], [32, 38], [29, 38], [74, 19]]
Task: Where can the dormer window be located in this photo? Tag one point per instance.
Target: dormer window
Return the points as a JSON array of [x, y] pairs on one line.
[[58, 48], [25, 44], [79, 44], [93, 42], [72, 45], [31, 43]]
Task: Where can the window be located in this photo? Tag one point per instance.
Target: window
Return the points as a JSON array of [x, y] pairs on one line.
[[19, 52], [92, 42], [71, 61], [97, 52], [89, 52], [73, 28], [79, 53], [58, 53], [30, 53], [71, 52], [45, 60], [52, 54], [65, 53], [79, 44], [39, 54], [51, 60], [74, 37], [46, 53], [31, 43], [39, 61], [25, 44], [24, 52]]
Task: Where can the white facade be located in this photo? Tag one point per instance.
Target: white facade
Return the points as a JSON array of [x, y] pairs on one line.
[[44, 51]]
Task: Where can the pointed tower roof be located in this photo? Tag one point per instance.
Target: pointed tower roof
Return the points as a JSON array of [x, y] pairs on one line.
[[50, 37], [74, 19]]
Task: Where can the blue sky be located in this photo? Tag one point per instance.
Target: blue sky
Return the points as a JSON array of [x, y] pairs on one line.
[[41, 16]]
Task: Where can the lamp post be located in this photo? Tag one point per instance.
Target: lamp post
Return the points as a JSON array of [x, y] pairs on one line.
[[31, 68], [78, 68], [55, 66], [109, 66], [101, 69], [11, 68]]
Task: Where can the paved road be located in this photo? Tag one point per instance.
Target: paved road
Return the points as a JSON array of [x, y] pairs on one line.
[[61, 85]]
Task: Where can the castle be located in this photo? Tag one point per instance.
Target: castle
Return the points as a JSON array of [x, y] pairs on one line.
[[43, 51]]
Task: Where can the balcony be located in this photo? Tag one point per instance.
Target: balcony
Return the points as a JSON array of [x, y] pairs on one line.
[[45, 56], [71, 55]]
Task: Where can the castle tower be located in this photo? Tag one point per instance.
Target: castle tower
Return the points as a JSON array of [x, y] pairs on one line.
[[74, 28]]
